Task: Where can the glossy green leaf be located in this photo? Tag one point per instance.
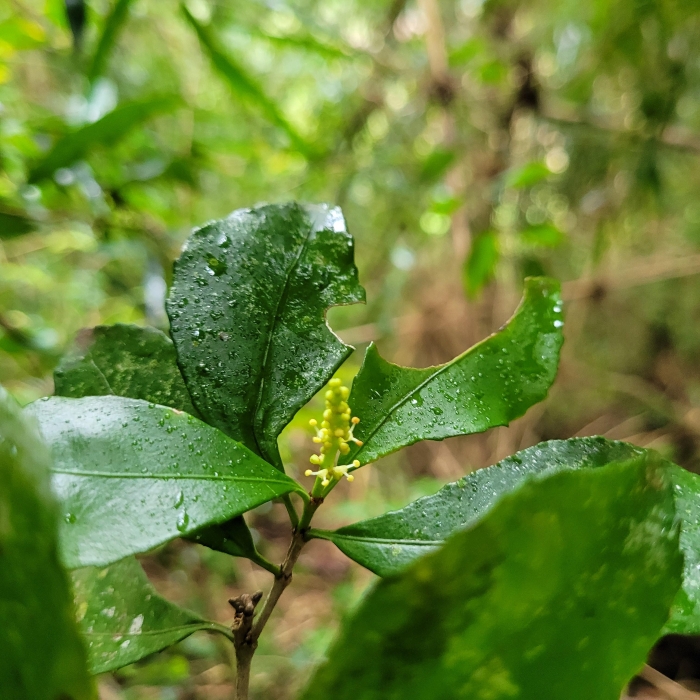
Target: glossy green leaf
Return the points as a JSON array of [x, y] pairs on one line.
[[480, 266], [41, 657], [685, 615], [389, 543], [112, 26], [140, 363], [244, 85], [105, 131], [247, 311], [124, 360], [575, 573], [490, 384], [131, 475], [123, 619]]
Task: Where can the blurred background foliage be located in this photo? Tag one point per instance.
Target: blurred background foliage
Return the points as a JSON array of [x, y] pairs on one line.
[[470, 143]]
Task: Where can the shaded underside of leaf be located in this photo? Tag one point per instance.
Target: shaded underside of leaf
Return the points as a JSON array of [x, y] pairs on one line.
[[124, 360], [41, 657], [233, 537], [107, 130], [491, 384], [123, 619], [132, 475], [575, 573], [247, 311]]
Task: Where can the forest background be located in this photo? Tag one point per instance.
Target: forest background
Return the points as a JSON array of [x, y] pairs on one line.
[[470, 144]]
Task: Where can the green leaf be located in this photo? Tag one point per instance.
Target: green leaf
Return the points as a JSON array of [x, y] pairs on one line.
[[131, 475], [685, 615], [481, 262], [389, 543], [436, 164], [490, 384], [232, 538], [574, 573], [247, 311], [42, 656], [140, 363], [112, 26], [105, 131], [14, 225], [124, 360], [123, 619], [527, 175], [245, 86], [546, 235]]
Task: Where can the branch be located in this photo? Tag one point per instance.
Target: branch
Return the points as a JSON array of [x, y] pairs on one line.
[[246, 627]]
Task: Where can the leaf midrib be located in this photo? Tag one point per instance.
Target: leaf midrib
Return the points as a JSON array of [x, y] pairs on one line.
[[438, 370], [170, 477], [385, 541], [257, 420], [151, 633]]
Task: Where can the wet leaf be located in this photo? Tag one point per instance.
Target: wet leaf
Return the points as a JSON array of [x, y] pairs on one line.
[[107, 130], [685, 615], [42, 656], [140, 363], [131, 475], [490, 384], [247, 311], [576, 573], [123, 619], [389, 543], [124, 360]]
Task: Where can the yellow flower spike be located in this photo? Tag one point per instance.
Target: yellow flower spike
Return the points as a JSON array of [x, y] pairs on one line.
[[335, 436]]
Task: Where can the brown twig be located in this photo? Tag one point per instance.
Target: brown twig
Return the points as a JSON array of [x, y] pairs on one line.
[[246, 627], [673, 690]]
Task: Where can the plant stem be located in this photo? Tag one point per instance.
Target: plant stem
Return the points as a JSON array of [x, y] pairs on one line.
[[291, 510], [247, 629]]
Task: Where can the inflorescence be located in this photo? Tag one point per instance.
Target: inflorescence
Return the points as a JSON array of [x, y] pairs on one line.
[[334, 435]]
